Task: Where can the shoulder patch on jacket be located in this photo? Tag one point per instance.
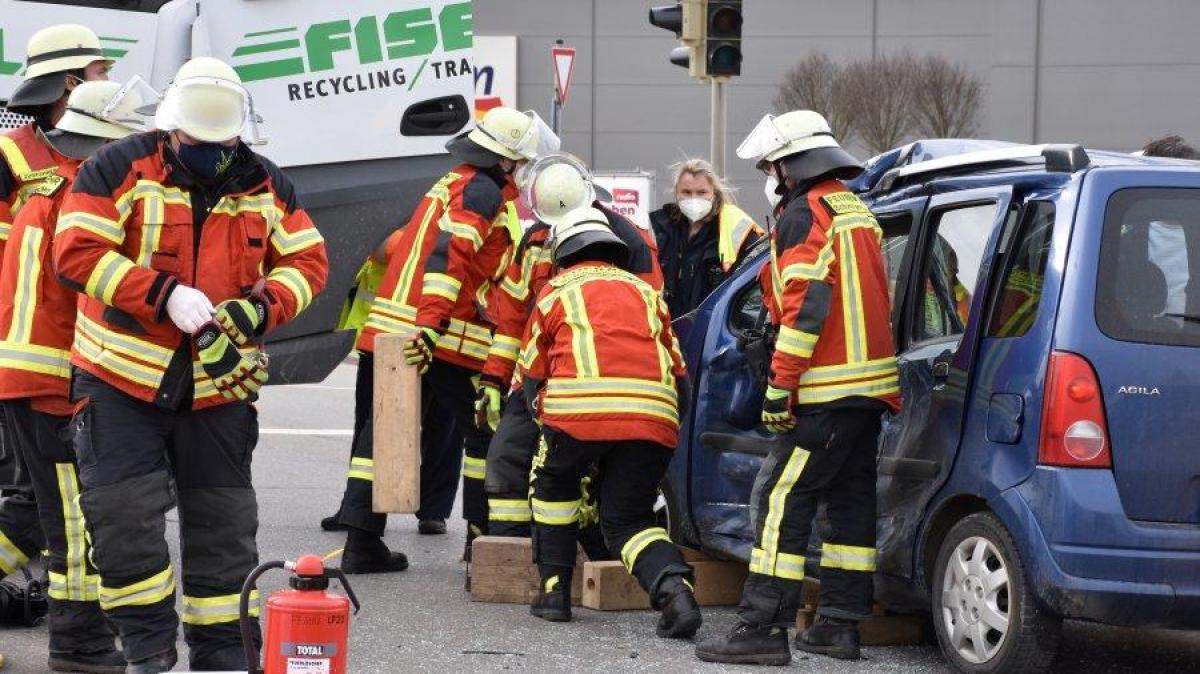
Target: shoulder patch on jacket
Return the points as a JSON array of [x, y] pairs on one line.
[[49, 186], [482, 196], [844, 203]]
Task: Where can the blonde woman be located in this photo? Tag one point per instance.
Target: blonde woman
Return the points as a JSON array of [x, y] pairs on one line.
[[702, 236]]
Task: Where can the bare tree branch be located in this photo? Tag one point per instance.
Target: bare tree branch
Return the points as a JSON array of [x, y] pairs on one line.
[[815, 83], [947, 99], [883, 90]]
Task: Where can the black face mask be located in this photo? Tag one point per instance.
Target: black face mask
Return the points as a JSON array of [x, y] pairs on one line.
[[207, 161]]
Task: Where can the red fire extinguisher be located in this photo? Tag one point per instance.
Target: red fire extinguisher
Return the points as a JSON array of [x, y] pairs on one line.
[[307, 627]]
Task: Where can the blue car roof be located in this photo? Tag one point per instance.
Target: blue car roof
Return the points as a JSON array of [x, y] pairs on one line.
[[1030, 172]]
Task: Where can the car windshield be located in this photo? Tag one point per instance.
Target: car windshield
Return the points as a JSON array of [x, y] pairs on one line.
[[1148, 289]]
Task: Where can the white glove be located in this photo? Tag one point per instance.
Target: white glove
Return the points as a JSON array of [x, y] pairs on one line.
[[189, 308]]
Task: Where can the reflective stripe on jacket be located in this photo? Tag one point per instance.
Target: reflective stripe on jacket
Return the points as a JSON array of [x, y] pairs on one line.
[[456, 245], [601, 340], [127, 235], [532, 266], [31, 162], [828, 288], [735, 227], [37, 313]]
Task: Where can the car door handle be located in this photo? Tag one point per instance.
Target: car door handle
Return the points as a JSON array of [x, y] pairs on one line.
[[941, 370]]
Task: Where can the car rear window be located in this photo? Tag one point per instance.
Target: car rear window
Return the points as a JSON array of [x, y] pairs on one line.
[[1148, 287]]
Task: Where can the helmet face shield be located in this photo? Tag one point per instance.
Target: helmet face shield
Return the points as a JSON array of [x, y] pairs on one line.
[[554, 185], [209, 109], [133, 105], [764, 139]]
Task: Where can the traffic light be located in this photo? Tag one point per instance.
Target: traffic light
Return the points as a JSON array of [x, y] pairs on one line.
[[723, 38], [686, 18]]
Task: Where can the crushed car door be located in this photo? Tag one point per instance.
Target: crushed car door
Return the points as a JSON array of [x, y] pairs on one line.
[[941, 291]]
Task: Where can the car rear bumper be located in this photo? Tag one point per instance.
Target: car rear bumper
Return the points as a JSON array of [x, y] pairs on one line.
[[1087, 560]]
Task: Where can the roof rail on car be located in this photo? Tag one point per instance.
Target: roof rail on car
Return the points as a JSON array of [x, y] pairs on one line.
[[1061, 158]]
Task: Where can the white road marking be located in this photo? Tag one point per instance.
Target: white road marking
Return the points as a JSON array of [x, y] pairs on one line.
[[324, 387], [306, 431]]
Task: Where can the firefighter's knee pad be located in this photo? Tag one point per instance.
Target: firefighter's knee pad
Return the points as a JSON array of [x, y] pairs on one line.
[[218, 527], [127, 524]]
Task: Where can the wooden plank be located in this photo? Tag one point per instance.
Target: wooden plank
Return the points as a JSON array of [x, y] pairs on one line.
[[607, 586], [397, 429], [879, 630], [891, 630], [502, 572]]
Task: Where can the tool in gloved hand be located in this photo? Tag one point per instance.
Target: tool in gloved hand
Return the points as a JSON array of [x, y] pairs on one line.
[[418, 351], [236, 376], [487, 403], [243, 320], [777, 410]]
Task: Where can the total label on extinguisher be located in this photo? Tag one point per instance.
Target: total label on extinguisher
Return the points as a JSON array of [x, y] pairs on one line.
[[308, 658]]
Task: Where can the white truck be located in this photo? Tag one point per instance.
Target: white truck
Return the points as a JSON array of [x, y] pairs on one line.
[[357, 100]]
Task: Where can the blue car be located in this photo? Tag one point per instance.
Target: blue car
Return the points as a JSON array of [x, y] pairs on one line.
[[1046, 307]]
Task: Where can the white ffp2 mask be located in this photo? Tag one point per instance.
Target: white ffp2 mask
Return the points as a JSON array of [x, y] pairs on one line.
[[695, 209], [770, 189]]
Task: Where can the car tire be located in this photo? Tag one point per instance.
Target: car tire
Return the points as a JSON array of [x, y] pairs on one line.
[[985, 616]]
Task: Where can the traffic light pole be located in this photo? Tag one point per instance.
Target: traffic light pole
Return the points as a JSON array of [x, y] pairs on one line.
[[717, 133]]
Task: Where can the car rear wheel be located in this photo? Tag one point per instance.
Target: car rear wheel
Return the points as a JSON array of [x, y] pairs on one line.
[[986, 618]]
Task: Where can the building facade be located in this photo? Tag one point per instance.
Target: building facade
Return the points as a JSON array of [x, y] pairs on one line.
[[1109, 74]]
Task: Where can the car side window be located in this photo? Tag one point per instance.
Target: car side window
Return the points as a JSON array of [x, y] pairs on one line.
[[747, 309], [1020, 291], [951, 263]]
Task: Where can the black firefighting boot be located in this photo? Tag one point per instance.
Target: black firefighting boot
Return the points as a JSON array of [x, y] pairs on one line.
[[108, 661], [431, 527], [367, 553], [680, 617], [748, 645], [334, 522], [156, 664], [834, 637], [553, 600]]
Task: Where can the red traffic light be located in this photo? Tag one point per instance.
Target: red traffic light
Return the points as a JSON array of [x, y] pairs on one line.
[[725, 22]]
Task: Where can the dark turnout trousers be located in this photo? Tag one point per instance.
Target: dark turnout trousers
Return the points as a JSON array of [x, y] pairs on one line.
[[509, 460], [830, 457], [76, 623], [630, 472], [21, 537], [136, 462], [447, 416]]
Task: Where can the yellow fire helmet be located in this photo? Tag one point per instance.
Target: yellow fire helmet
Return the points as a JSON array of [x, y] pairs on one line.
[[51, 52]]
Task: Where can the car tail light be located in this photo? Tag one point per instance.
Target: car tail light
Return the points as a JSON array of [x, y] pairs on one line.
[[1074, 432]]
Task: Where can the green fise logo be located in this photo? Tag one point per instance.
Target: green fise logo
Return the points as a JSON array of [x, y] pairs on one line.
[[284, 52], [114, 48]]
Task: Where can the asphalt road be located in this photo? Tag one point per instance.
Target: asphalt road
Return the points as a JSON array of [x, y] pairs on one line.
[[422, 621]]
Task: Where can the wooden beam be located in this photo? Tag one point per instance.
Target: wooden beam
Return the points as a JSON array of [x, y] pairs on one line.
[[396, 429], [502, 571], [607, 586]]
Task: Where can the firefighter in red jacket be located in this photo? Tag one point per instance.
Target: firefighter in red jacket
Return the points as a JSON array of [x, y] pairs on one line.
[[440, 266], [603, 375], [187, 247], [832, 378], [37, 318], [554, 185], [57, 59]]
